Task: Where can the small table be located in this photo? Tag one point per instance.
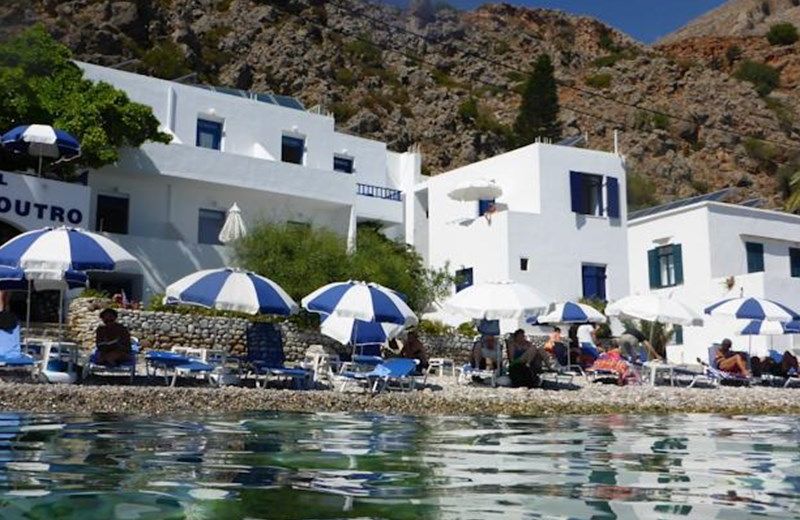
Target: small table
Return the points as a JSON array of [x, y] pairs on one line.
[[439, 365], [656, 367]]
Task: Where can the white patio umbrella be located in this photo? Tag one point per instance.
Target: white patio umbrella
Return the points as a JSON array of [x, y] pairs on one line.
[[652, 307], [502, 300], [234, 227], [476, 189]]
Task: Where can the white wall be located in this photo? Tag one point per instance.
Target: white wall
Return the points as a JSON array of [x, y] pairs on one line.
[[535, 220]]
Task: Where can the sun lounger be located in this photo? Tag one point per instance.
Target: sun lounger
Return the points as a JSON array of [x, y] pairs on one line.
[[127, 368], [368, 355], [467, 374], [720, 377], [773, 380], [11, 355], [397, 373], [267, 362]]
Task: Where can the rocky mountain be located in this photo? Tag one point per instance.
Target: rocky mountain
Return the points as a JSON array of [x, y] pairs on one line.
[[450, 80], [740, 18]]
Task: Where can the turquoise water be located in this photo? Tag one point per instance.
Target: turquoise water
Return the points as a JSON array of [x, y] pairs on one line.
[[273, 465]]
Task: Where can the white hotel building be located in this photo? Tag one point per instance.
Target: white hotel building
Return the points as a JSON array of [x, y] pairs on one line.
[[167, 203], [703, 250]]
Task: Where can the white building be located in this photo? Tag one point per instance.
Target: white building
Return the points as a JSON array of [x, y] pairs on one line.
[[703, 250], [166, 203], [560, 224]]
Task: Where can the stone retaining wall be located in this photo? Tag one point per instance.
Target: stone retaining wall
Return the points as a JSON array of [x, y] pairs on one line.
[[163, 330]]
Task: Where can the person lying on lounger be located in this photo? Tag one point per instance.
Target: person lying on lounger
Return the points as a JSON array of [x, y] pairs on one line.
[[113, 340], [784, 366], [612, 360], [730, 361]]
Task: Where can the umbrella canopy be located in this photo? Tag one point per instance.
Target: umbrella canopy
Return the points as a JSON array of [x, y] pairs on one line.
[[231, 290], [654, 308], [49, 252], [41, 141], [360, 300], [476, 189], [350, 331], [234, 227], [571, 312], [763, 328], [14, 279], [497, 301], [752, 309]]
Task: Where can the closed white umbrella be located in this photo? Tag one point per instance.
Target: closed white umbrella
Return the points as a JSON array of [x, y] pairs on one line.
[[497, 301], [234, 227], [654, 308], [476, 189]]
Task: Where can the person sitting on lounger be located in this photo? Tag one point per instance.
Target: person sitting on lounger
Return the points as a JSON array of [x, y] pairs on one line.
[[414, 349], [632, 343], [486, 354], [730, 361], [612, 360], [784, 366], [525, 361], [113, 340]]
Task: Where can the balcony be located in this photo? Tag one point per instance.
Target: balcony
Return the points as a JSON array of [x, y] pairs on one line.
[[379, 203], [230, 169]]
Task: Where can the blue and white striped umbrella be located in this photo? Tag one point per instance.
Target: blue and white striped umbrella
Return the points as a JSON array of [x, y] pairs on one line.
[[350, 331], [571, 312], [49, 252], [14, 279], [231, 290], [360, 300], [752, 309], [764, 328], [41, 141]]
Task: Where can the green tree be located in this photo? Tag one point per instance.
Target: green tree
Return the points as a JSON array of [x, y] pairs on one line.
[[783, 33], [538, 113], [41, 85], [301, 259]]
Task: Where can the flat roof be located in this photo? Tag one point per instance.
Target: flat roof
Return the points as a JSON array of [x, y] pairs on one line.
[[750, 210]]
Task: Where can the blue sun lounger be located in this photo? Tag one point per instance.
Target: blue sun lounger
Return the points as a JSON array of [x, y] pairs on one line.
[[267, 362], [11, 355], [127, 368], [392, 373]]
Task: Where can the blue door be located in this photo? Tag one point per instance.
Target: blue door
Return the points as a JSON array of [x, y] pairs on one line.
[[594, 282]]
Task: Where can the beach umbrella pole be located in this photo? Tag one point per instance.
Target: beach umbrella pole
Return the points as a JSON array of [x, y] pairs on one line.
[[60, 315], [28, 313], [40, 165]]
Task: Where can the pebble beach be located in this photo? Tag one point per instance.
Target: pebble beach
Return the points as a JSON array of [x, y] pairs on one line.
[[441, 397]]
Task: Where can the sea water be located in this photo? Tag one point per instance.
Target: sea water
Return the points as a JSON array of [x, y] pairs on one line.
[[278, 465]]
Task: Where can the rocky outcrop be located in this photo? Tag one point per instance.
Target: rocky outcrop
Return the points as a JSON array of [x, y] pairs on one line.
[[739, 18], [405, 77]]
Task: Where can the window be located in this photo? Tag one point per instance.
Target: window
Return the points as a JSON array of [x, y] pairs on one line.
[[209, 224], [523, 264], [594, 282], [292, 149], [586, 192], [677, 334], [484, 205], [342, 164], [209, 134], [463, 278], [755, 257], [112, 214], [794, 262], [665, 264]]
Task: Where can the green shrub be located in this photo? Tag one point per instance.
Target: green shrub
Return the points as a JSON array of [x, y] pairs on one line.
[[599, 81], [364, 51], [642, 192], [344, 76], [93, 293], [646, 120], [342, 111], [660, 121], [434, 328], [467, 329], [468, 109], [764, 78], [166, 61], [444, 79], [783, 33], [784, 113], [733, 53], [759, 150], [607, 61]]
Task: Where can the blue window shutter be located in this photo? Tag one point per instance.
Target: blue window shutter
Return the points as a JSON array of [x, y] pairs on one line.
[[755, 257], [576, 188], [652, 265], [677, 255], [589, 282], [794, 262], [483, 206], [612, 194]]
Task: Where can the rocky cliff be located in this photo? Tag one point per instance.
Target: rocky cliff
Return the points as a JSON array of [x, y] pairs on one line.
[[739, 18], [449, 80]]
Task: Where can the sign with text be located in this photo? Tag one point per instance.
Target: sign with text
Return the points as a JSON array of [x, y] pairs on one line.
[[29, 202]]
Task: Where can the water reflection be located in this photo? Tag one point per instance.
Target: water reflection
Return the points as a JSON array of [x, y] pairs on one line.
[[369, 466]]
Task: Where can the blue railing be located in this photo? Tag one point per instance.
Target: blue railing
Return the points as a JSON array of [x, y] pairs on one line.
[[379, 192]]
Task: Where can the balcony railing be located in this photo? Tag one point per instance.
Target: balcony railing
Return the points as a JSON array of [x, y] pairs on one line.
[[379, 192]]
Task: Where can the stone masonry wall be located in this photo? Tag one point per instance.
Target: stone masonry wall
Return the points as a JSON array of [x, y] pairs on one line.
[[163, 330]]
